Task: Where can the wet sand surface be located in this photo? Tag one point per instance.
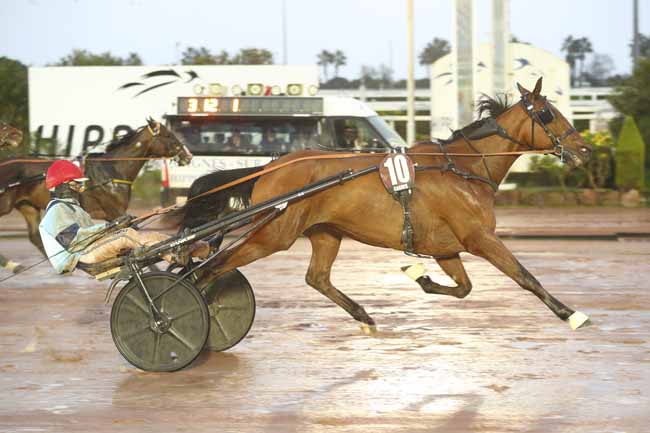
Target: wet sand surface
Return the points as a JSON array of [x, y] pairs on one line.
[[497, 361]]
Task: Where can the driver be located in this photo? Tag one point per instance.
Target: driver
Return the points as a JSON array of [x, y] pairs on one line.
[[71, 237]]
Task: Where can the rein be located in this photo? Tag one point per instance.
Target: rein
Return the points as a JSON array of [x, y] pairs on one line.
[[535, 117], [346, 156]]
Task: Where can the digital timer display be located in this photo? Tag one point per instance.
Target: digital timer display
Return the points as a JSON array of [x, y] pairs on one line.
[[265, 105]]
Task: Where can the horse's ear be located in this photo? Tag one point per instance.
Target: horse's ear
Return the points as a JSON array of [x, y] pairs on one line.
[[522, 90], [538, 88], [151, 122]]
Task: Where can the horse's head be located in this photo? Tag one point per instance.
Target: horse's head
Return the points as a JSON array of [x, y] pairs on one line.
[[165, 143], [10, 136], [550, 129]]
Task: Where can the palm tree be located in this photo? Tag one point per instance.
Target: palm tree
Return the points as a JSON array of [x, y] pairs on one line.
[[570, 47], [339, 59], [584, 47], [576, 49], [325, 58]]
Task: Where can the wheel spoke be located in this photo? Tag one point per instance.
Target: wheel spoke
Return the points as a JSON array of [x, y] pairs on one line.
[[221, 328], [174, 333], [156, 346], [138, 303], [136, 332], [172, 285], [225, 307], [185, 313]]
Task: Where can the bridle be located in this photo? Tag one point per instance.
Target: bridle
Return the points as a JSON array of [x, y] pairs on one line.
[[154, 129], [178, 146], [543, 118]]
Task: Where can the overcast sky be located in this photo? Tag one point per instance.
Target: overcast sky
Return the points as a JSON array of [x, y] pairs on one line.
[[370, 32]]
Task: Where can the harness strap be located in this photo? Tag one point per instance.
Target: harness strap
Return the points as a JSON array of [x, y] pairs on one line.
[[122, 181], [404, 198]]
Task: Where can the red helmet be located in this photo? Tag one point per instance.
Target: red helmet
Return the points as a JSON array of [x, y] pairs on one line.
[[62, 171]]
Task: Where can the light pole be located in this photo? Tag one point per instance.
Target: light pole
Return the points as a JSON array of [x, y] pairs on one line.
[[635, 37], [284, 32], [410, 84]]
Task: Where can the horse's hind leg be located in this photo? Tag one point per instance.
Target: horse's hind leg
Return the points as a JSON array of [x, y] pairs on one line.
[[453, 267], [489, 247], [32, 216], [325, 247]]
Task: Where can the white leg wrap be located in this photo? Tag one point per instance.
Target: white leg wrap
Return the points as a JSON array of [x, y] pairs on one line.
[[10, 266], [416, 271], [368, 329], [578, 319]]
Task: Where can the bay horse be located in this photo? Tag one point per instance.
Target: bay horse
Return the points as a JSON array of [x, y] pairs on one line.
[[111, 174], [450, 213], [10, 136]]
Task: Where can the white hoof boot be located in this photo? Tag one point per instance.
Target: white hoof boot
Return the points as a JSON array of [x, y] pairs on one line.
[[579, 320], [368, 329], [415, 271]]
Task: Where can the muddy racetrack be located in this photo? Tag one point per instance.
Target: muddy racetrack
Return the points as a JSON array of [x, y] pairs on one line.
[[497, 361]]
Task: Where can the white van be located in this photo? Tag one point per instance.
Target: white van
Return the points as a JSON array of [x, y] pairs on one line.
[[226, 133]]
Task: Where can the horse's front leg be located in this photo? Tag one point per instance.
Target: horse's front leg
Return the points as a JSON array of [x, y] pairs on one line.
[[488, 246], [453, 267]]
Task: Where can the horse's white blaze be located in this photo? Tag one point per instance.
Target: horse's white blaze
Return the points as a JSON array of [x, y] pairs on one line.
[[578, 319]]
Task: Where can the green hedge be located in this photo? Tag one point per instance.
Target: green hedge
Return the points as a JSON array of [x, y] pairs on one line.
[[630, 157]]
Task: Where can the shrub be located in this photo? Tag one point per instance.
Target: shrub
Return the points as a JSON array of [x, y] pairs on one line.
[[630, 157], [599, 169]]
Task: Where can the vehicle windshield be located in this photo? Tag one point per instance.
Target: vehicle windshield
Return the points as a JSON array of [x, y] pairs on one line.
[[387, 132], [237, 136]]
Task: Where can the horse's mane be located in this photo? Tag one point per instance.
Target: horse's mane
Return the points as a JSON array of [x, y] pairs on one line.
[[119, 141], [486, 105]]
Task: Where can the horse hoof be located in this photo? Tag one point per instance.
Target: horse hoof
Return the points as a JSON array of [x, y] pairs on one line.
[[414, 271], [14, 267], [368, 329], [579, 320]]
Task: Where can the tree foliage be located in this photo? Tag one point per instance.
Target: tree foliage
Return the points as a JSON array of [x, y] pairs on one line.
[[630, 157], [86, 58], [252, 56], [515, 39], [576, 50], [598, 170], [433, 51], [644, 46], [599, 70], [376, 78], [203, 56], [324, 60], [13, 93], [340, 59], [245, 56], [632, 98]]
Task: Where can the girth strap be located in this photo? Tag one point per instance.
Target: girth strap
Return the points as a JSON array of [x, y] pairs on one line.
[[404, 198]]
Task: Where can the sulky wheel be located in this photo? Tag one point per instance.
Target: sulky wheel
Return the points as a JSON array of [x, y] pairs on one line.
[[167, 344], [232, 310]]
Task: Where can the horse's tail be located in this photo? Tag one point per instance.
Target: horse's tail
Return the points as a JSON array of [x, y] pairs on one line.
[[211, 207]]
